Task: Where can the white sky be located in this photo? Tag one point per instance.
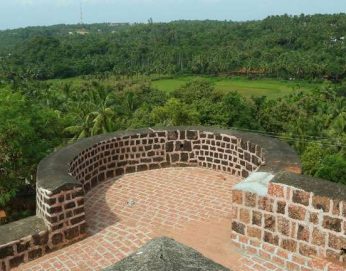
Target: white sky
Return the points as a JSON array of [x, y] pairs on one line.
[[18, 13]]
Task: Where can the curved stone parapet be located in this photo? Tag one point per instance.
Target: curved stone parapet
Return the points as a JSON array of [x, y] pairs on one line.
[[136, 147], [64, 177]]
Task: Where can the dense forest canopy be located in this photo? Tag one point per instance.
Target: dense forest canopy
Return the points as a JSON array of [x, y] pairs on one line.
[[117, 63], [301, 47]]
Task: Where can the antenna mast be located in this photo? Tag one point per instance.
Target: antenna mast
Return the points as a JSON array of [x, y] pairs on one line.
[[81, 13]]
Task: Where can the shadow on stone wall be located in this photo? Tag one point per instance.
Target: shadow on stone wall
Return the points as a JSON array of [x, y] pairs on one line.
[[99, 214]]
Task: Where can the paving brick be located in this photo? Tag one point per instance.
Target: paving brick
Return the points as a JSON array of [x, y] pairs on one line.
[[192, 205], [123, 215]]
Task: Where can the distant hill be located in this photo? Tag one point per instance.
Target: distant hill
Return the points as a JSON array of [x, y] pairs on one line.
[[9, 39], [302, 47]]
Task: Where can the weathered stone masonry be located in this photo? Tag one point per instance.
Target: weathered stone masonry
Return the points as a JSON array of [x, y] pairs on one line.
[[64, 177], [300, 224], [138, 152]]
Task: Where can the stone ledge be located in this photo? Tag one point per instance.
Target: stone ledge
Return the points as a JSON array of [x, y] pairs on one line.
[[317, 186], [279, 156], [20, 229], [52, 172]]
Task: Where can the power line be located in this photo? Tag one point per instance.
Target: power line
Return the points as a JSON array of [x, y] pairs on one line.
[[273, 133], [296, 139], [268, 134]]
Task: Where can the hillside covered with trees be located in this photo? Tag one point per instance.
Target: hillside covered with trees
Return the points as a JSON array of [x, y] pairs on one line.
[[301, 47], [117, 64]]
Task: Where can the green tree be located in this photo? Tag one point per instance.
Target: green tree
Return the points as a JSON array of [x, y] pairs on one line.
[[174, 113], [312, 158], [238, 112], [98, 114], [28, 132], [333, 168]]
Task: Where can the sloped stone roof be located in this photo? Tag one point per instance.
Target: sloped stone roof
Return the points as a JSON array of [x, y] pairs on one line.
[[165, 254]]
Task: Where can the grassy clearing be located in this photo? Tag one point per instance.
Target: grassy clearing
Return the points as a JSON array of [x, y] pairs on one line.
[[262, 87]]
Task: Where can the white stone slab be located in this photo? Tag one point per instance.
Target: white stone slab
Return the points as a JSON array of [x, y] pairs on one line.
[[257, 183]]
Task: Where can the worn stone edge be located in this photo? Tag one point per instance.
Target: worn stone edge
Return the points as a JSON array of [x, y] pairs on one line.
[[168, 243], [20, 229], [317, 186]]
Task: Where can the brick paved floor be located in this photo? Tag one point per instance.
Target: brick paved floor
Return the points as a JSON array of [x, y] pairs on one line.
[[191, 205]]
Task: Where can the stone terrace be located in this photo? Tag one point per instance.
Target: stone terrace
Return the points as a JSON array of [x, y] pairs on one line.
[[98, 192], [191, 205]]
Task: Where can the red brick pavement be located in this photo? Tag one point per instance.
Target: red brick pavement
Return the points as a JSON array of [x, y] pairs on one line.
[[191, 205]]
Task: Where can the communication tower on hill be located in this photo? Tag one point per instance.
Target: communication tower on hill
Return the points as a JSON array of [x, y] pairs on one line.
[[82, 30], [81, 13]]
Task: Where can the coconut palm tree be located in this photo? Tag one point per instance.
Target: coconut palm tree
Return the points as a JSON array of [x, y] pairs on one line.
[[95, 113], [82, 130]]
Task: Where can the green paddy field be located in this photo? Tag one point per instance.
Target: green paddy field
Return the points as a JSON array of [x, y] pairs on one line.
[[260, 87]]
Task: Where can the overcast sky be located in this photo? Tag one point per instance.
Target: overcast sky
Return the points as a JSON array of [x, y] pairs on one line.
[[18, 13]]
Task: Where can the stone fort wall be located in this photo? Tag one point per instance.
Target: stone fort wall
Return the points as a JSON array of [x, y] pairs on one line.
[[63, 209], [64, 177]]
